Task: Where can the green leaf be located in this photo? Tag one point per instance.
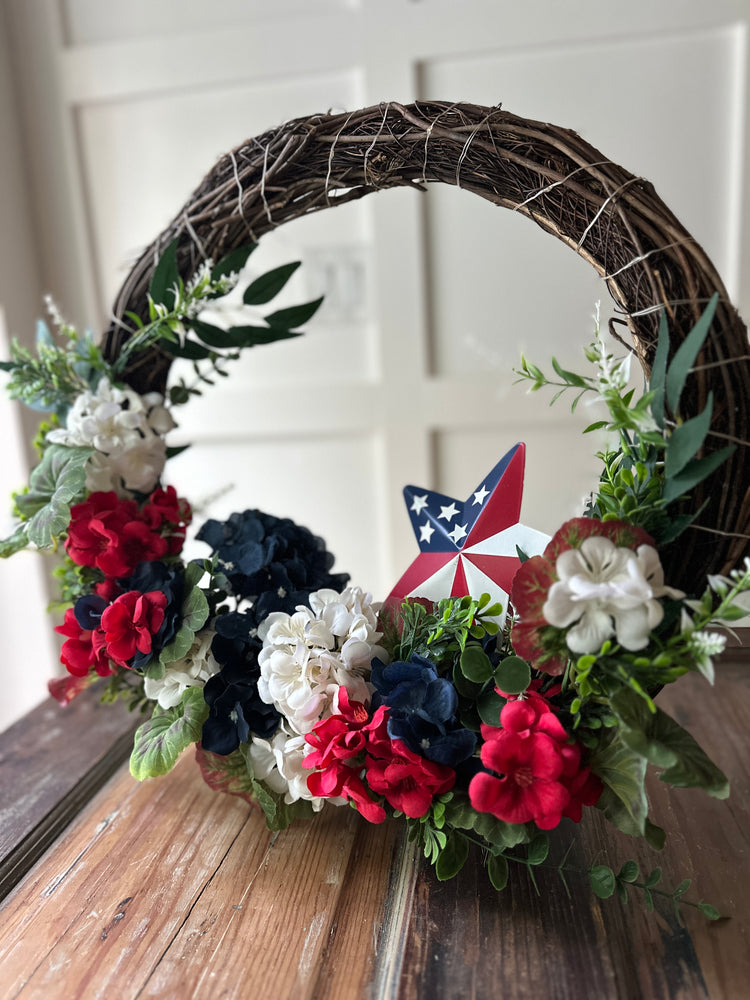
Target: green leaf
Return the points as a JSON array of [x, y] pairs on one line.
[[657, 382], [233, 262], [664, 743], [489, 706], [452, 857], [231, 774], [708, 911], [466, 688], [623, 800], [603, 881], [191, 350], [654, 878], [214, 336], [268, 285], [695, 472], [160, 741], [254, 336], [15, 542], [57, 482], [475, 664], [513, 675], [628, 872], [165, 277], [195, 609], [686, 440], [497, 869], [294, 316], [538, 850], [686, 354], [460, 814]]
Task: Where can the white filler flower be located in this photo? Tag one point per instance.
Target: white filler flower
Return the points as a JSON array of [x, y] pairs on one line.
[[308, 655], [605, 590], [126, 430], [193, 670]]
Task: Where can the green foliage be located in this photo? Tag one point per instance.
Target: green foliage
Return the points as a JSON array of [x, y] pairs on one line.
[[604, 883], [159, 741], [656, 463]]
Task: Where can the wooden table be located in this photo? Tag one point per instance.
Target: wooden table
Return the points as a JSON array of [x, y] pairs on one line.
[[166, 889]]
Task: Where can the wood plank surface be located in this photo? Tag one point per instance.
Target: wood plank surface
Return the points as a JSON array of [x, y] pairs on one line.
[[166, 889], [51, 762]]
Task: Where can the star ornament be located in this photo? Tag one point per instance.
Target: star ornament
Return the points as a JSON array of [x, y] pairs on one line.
[[470, 547]]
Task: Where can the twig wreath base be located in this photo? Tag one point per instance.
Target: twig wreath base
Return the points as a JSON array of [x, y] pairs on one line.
[[610, 217]]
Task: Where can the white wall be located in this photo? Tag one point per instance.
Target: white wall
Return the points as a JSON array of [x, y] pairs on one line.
[[124, 105]]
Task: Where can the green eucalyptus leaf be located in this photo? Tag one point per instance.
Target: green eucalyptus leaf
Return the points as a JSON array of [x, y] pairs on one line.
[[686, 440], [475, 664], [489, 706], [294, 316], [497, 869], [686, 353], [708, 911], [603, 881], [512, 675], [268, 285], [254, 336], [452, 857], [160, 741], [629, 872], [165, 277]]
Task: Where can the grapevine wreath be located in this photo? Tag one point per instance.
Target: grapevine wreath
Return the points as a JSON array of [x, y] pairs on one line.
[[478, 714]]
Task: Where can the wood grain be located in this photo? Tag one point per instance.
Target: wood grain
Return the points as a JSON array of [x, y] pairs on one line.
[[51, 762], [166, 889]]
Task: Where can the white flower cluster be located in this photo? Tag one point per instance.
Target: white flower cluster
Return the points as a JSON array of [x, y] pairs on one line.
[[607, 590], [308, 655], [193, 670], [305, 658], [126, 430]]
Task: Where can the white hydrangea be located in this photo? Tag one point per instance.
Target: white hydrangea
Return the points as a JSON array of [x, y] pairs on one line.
[[126, 430], [605, 590], [193, 670], [277, 762], [307, 656]]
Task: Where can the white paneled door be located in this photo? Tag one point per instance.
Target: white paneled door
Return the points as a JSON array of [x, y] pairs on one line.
[[406, 376]]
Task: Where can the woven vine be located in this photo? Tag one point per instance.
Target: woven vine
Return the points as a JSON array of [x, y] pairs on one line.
[[613, 219]]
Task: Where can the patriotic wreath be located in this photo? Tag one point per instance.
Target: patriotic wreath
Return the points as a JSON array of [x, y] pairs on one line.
[[508, 680]]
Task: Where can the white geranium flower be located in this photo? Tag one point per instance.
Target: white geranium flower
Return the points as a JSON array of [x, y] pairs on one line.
[[604, 590], [278, 763], [126, 430], [307, 656], [193, 670]]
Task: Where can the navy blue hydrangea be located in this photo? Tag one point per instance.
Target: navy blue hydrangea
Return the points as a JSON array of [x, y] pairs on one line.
[[423, 710], [235, 708], [271, 561]]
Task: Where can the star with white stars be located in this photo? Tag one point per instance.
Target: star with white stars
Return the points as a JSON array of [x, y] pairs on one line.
[[480, 495], [448, 512], [419, 503], [458, 533], [426, 531]]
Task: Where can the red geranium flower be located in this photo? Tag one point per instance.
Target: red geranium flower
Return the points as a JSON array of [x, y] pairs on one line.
[[106, 533], [534, 578], [338, 741], [170, 515], [84, 650], [540, 766], [131, 622]]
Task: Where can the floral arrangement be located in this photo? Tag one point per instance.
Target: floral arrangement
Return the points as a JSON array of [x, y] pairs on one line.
[[476, 720]]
